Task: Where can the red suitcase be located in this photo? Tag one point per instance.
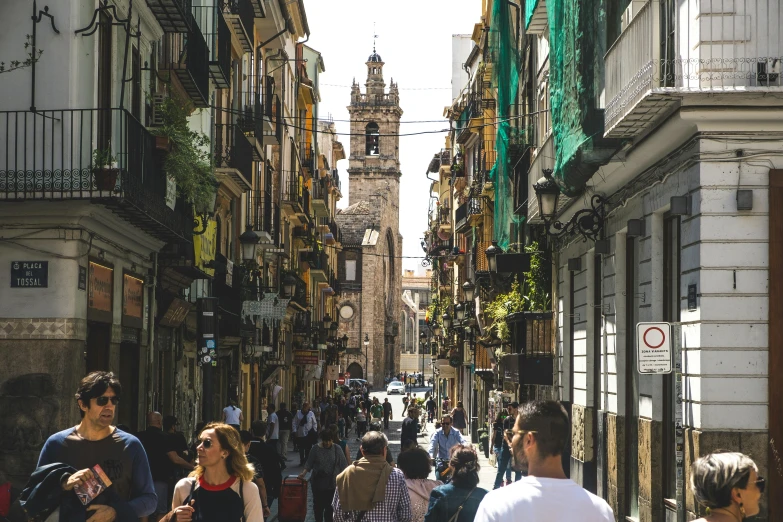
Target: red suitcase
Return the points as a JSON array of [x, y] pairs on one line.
[[292, 505]]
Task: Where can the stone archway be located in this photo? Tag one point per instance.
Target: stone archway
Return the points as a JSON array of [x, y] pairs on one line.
[[355, 370]]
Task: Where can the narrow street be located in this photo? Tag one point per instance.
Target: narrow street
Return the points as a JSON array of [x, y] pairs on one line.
[[486, 473]]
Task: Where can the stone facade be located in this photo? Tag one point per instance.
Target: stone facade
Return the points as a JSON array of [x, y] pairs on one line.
[[370, 268]]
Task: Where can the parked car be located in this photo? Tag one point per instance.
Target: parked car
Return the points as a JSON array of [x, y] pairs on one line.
[[395, 387]]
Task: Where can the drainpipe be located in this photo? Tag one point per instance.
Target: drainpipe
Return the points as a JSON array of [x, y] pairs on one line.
[[151, 333]]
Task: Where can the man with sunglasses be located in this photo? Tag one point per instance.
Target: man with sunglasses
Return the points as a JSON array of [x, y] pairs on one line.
[[441, 443], [95, 441], [541, 434]]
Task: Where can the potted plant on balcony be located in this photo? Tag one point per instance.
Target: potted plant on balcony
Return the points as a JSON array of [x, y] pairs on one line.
[[189, 162], [104, 168]]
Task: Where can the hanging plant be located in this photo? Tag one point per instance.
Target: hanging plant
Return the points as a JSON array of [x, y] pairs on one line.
[[536, 293], [503, 305], [189, 162]]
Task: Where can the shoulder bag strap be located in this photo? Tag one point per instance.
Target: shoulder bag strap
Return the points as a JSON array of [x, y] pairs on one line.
[[455, 516], [242, 498]]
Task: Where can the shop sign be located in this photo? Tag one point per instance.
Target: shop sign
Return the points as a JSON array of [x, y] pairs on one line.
[[448, 372], [101, 293], [132, 301], [205, 246], [332, 372], [29, 274], [171, 192], [176, 313], [306, 357]]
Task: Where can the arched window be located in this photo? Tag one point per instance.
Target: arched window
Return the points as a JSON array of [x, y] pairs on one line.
[[372, 136]]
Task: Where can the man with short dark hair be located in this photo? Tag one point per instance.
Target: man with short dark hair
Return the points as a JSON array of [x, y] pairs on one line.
[[387, 413], [370, 489], [504, 459], [269, 460], [541, 434], [95, 441], [286, 419], [410, 427], [441, 443]]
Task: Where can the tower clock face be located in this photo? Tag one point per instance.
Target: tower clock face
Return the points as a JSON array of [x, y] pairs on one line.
[[346, 312]]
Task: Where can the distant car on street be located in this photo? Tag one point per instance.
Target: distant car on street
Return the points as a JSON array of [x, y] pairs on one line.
[[395, 387]]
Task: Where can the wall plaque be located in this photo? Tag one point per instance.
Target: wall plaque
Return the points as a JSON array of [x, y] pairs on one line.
[[29, 274], [101, 293], [132, 301]]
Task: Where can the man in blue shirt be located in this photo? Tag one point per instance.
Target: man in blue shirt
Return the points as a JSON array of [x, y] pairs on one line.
[[442, 441], [96, 441]]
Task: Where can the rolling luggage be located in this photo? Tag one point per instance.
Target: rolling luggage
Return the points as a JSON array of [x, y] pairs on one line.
[[292, 505]]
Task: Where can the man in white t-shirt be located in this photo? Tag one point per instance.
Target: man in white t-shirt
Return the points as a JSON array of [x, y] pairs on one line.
[[541, 433], [273, 428]]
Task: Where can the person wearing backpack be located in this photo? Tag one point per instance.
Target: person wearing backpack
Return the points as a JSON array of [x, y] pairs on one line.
[[326, 461], [221, 488]]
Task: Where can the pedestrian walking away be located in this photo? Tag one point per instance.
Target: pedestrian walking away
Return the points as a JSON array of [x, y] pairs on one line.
[[361, 421], [304, 426], [541, 433], [370, 489], [258, 475], [441, 443], [431, 407], [286, 419], [94, 441], [497, 442], [273, 428], [459, 500], [405, 401], [387, 413], [460, 418], [326, 461], [410, 427], [233, 415], [415, 464], [221, 488], [504, 459], [728, 485]]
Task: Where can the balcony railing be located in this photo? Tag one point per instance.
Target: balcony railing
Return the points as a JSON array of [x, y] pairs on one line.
[[320, 198], [300, 299], [306, 156], [461, 217], [48, 155], [264, 217], [187, 57], [293, 191], [241, 15], [301, 324], [701, 47], [172, 15], [218, 37], [234, 153]]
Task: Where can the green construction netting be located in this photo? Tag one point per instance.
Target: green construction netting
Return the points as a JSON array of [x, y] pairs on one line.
[[577, 36], [505, 77], [530, 7]]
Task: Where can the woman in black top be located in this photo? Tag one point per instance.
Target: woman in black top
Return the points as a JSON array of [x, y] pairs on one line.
[[459, 418], [326, 461], [221, 488]]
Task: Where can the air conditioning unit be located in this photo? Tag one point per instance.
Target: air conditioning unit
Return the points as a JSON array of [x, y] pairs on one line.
[[768, 71], [157, 110]]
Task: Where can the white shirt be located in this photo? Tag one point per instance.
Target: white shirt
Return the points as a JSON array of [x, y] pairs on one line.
[[275, 433], [302, 425], [537, 499], [232, 414]]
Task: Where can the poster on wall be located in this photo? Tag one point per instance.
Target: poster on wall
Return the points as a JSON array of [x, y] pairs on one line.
[[100, 293], [132, 301], [332, 372]]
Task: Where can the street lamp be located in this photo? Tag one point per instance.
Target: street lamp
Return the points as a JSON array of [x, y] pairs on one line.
[[249, 242], [289, 285], [491, 254], [436, 329], [366, 340], [327, 320], [547, 193], [468, 290], [459, 312], [589, 222], [446, 319]]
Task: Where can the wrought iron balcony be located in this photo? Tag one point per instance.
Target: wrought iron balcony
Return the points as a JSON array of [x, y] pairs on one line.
[[172, 15], [218, 37], [300, 299], [306, 156], [293, 192], [264, 216], [301, 324], [240, 14], [320, 198], [48, 155], [187, 58], [662, 58], [318, 264], [234, 154]]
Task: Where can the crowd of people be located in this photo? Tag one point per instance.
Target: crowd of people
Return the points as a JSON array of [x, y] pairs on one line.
[[231, 476]]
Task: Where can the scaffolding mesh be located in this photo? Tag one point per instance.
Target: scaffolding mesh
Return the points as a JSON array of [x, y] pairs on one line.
[[504, 57]]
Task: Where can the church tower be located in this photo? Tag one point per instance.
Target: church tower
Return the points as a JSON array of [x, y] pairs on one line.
[[370, 271], [374, 164]]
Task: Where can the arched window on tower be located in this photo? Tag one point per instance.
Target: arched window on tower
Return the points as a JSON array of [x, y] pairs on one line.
[[372, 137]]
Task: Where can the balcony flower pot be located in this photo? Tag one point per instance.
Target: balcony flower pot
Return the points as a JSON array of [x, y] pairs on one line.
[[163, 143], [105, 178]]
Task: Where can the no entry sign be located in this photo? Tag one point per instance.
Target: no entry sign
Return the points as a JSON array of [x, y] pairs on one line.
[[654, 348]]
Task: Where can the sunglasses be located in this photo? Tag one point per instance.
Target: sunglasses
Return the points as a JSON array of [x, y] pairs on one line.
[[207, 443], [103, 400], [445, 423], [761, 484]]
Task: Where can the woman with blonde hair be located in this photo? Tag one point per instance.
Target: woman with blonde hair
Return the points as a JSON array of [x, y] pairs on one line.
[[221, 488], [728, 485]]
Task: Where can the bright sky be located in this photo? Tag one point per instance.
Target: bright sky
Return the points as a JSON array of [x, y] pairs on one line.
[[414, 40]]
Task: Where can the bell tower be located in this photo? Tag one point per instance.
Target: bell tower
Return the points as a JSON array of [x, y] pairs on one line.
[[374, 163]]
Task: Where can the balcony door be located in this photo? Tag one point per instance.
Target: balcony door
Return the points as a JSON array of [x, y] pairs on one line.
[[104, 85]]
